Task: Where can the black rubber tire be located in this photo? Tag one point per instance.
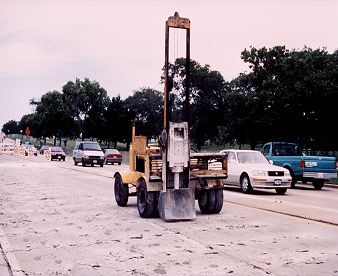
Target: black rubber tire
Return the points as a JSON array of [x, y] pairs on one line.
[[218, 201], [318, 184], [92, 165], [101, 165], [145, 201], [75, 163], [83, 163], [121, 191], [119, 163], [294, 180], [245, 184], [156, 213], [207, 201], [281, 191]]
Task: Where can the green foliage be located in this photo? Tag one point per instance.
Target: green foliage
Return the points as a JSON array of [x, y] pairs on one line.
[[288, 95], [87, 102], [118, 122], [146, 105], [207, 92], [10, 127]]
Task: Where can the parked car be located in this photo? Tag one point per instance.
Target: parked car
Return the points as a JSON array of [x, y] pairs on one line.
[[249, 169], [43, 148], [316, 169], [57, 153], [87, 152], [30, 149], [112, 156]]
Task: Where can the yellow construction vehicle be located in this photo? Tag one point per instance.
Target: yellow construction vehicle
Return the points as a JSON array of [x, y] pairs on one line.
[[169, 178]]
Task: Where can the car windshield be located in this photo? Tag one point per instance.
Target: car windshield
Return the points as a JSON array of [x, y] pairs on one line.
[[56, 149], [251, 157], [111, 151], [91, 146], [29, 146], [44, 147]]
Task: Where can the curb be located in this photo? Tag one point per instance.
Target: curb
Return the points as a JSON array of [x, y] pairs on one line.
[[9, 256]]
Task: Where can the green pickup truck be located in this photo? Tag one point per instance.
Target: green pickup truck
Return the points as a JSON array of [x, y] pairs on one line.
[[316, 169]]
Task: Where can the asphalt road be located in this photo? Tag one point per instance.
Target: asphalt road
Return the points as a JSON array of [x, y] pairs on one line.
[[61, 219]]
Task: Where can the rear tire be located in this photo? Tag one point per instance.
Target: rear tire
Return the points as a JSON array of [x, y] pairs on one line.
[[83, 163], [245, 184], [318, 184], [207, 201], [121, 191], [281, 191], [75, 163], [145, 201], [218, 201]]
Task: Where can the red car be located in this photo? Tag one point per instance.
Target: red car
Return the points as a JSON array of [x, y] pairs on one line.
[[112, 156]]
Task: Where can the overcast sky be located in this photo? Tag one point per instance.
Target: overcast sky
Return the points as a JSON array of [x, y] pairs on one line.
[[120, 44]]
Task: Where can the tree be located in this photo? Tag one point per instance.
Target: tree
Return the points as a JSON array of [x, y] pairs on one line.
[[294, 89], [87, 102], [118, 122], [147, 106], [11, 127], [33, 122], [207, 94]]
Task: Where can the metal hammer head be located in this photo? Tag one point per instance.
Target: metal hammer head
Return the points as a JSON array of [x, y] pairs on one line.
[[177, 204]]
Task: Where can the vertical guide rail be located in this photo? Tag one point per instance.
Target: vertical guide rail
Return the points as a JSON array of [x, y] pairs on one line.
[[181, 23]]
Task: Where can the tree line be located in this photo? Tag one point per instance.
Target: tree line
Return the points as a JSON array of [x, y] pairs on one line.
[[287, 95]]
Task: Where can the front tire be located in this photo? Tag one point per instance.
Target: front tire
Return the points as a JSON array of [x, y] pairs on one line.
[[281, 191], [145, 201], [245, 184], [121, 191], [318, 184], [75, 163]]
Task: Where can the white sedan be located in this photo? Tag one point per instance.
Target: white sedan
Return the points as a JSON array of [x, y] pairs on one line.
[[249, 169]]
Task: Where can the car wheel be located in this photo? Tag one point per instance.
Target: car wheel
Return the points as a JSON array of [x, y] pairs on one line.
[[318, 184], [206, 201], [245, 184], [75, 163], [101, 165], [281, 191], [119, 163], [145, 201], [83, 163], [294, 179], [121, 191], [106, 162], [92, 165]]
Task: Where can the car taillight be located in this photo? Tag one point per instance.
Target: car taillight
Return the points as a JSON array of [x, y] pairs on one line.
[[302, 164], [112, 155]]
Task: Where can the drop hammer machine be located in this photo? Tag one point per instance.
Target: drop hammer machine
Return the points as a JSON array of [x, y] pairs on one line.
[[168, 179]]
